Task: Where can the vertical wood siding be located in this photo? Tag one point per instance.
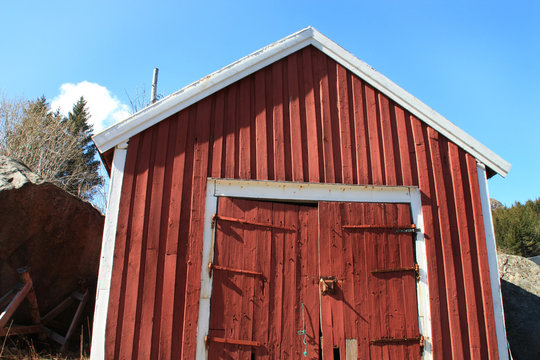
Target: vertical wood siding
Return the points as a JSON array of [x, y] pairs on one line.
[[304, 118]]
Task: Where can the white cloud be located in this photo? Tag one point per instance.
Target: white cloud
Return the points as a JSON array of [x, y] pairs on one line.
[[105, 109]]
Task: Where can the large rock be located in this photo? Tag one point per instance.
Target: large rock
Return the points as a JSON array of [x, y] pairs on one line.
[[520, 286], [56, 234]]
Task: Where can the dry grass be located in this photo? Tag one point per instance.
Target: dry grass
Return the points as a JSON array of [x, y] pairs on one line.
[[24, 349]]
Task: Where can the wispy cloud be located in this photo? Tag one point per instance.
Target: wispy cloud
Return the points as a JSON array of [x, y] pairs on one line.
[[105, 109]]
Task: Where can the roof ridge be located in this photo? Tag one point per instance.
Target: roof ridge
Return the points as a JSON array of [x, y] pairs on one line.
[[188, 95]]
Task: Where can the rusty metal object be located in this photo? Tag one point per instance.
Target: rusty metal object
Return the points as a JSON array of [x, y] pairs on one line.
[[239, 271], [403, 228], [232, 341], [245, 222], [389, 341], [328, 285], [415, 268]]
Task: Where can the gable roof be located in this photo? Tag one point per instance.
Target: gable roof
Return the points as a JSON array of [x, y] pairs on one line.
[[145, 118]]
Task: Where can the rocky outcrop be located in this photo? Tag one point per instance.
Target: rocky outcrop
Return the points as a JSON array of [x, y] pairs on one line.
[[520, 286], [495, 204], [56, 234]]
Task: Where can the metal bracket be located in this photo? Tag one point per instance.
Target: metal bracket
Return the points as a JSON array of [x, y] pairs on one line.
[[327, 285]]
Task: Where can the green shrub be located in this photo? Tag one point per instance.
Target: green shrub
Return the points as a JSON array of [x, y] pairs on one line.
[[517, 228]]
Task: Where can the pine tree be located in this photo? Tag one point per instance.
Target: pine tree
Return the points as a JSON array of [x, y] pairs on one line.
[[83, 170], [517, 229]]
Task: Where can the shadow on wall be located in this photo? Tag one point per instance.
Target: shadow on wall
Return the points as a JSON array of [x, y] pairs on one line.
[[522, 316]]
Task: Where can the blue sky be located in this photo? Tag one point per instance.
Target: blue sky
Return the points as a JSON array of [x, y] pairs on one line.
[[475, 62]]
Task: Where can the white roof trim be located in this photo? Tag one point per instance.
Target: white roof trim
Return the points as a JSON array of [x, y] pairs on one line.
[[212, 83]]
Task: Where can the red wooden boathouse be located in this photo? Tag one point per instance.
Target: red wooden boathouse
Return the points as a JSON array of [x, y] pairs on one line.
[[297, 204]]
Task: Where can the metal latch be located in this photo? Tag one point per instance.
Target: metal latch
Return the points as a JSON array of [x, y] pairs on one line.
[[328, 285]]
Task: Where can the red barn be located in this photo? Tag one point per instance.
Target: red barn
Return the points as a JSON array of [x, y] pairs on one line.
[[297, 204]]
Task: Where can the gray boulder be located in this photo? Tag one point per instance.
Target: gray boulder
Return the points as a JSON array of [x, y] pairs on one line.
[[520, 286]]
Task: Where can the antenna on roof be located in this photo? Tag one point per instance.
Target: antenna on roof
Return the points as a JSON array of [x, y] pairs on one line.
[[153, 96]]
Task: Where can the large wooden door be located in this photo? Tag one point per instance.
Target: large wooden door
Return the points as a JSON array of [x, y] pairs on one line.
[[265, 282], [367, 248], [328, 280]]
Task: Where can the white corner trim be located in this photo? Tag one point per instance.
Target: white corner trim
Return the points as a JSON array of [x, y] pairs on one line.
[[493, 266], [203, 322], [97, 350], [216, 81], [310, 192], [422, 290]]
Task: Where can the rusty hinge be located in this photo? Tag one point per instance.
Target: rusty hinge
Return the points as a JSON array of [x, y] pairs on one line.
[[399, 229], [239, 271], [242, 221], [414, 268], [390, 341], [232, 341]]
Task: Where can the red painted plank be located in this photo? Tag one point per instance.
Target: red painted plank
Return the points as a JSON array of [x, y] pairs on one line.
[[465, 254], [269, 122], [261, 147], [389, 158], [200, 168], [152, 244], [115, 306], [347, 168], [337, 250], [375, 301], [229, 134], [334, 118], [456, 335], [218, 135], [455, 245], [135, 254], [294, 118], [276, 285], [290, 290], [177, 149], [243, 127], [384, 296], [183, 238], [248, 283], [261, 300], [406, 168], [321, 72], [439, 309], [361, 304], [483, 265], [473, 252], [309, 280], [396, 297], [360, 131], [163, 225], [326, 217], [279, 140], [312, 123], [373, 139]]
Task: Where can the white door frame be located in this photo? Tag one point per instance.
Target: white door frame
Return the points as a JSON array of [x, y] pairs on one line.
[[310, 192]]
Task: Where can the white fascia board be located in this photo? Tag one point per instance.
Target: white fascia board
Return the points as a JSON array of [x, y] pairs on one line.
[[494, 277], [187, 96], [200, 89], [411, 103], [97, 349]]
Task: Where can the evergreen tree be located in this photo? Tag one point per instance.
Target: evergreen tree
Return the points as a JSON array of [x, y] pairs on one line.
[[83, 170], [517, 229]]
